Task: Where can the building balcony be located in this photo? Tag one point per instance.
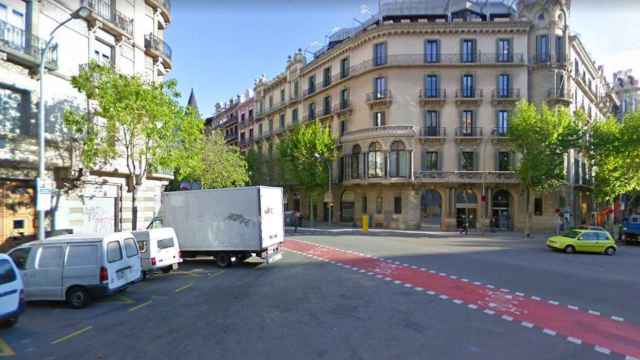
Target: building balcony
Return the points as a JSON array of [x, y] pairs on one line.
[[157, 48], [379, 132], [344, 108], [164, 6], [432, 97], [24, 49], [489, 177], [432, 134], [468, 134], [562, 97], [502, 97], [326, 113], [104, 12], [443, 59], [294, 98], [309, 91], [469, 97], [380, 98], [309, 117], [499, 135]]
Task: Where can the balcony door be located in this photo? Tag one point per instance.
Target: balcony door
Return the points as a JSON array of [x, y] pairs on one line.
[[380, 87], [504, 84], [468, 90], [431, 123]]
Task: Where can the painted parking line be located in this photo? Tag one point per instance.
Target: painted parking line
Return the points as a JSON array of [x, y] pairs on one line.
[[5, 349], [184, 287], [72, 335], [216, 274], [604, 334], [140, 306]]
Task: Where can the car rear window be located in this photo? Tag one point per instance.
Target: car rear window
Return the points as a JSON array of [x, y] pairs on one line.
[[114, 251], [165, 243], [7, 275], [82, 255], [571, 234], [130, 247]]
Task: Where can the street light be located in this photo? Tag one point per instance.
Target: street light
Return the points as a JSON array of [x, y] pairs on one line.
[[80, 13], [320, 158]]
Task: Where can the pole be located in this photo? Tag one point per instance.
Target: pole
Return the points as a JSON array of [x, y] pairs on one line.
[[330, 193]]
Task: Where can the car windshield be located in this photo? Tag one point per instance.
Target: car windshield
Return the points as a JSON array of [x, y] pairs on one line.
[[571, 234]]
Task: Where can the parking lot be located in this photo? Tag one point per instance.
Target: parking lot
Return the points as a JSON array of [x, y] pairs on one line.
[[346, 296]]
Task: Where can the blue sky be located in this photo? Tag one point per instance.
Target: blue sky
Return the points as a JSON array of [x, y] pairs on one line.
[[220, 47]]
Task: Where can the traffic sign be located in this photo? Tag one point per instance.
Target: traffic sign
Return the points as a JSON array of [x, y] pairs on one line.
[[43, 200]]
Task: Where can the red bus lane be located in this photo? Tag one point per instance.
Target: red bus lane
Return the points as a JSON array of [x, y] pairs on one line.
[[579, 326]]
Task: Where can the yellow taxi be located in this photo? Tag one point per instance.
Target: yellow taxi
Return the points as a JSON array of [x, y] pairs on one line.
[[584, 240]]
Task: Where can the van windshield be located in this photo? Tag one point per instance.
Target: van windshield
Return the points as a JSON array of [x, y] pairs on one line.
[[7, 275]]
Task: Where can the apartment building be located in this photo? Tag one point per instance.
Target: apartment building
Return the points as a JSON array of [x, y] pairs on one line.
[[125, 34], [419, 99], [627, 90]]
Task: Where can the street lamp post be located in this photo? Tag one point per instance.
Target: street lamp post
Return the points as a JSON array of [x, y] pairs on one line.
[[81, 12]]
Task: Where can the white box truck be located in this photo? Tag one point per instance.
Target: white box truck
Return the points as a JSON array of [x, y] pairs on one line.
[[228, 224]]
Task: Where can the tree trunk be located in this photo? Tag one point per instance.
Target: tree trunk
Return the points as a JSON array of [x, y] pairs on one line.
[[134, 209], [527, 223]]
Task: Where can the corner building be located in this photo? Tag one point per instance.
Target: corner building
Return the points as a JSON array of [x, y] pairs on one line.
[[419, 100]]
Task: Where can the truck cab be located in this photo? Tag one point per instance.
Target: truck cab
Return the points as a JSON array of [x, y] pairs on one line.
[[631, 229]]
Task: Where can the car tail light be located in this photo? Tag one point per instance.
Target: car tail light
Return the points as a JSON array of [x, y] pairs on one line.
[[153, 261], [104, 275]]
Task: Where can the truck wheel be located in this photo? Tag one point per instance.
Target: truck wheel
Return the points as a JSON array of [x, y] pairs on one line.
[[11, 322], [77, 297], [223, 260]]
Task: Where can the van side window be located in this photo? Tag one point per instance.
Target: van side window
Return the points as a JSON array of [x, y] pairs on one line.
[[50, 257], [165, 243], [20, 257], [7, 275], [114, 251], [82, 255], [130, 247]]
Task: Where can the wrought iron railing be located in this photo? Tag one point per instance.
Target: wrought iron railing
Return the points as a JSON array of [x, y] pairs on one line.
[[107, 11], [468, 131], [433, 94], [506, 93], [469, 93], [153, 42], [18, 40], [384, 94], [433, 131]]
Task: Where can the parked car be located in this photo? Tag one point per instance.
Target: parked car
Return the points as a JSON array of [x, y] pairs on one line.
[[76, 268], [159, 250], [631, 229], [582, 240], [12, 301]]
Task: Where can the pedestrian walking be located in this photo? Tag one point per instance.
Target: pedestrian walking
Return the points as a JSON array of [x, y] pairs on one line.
[[559, 223], [296, 220]]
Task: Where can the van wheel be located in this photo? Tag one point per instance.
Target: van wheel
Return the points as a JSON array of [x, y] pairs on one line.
[[223, 260], [610, 251], [166, 270], [569, 249], [77, 297]]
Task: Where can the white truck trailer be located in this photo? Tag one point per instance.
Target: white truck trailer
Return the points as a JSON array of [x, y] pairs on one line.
[[228, 224]]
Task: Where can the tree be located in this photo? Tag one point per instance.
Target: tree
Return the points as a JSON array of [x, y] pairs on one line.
[[222, 165], [132, 119], [256, 167], [542, 137], [304, 154]]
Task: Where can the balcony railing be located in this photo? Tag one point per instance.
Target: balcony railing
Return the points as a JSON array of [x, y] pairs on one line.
[[433, 93], [106, 10], [564, 94], [506, 93], [343, 107], [27, 47], [500, 132], [433, 132], [326, 111], [309, 117], [468, 131], [469, 93], [380, 97], [153, 42]]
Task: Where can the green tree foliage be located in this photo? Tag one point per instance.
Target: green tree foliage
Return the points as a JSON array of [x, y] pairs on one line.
[[542, 137], [221, 165], [256, 166], [304, 155], [132, 119], [614, 149]]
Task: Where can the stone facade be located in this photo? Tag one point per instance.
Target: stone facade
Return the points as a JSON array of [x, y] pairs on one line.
[[125, 34]]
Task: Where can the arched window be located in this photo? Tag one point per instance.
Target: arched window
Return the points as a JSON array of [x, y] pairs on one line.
[[375, 161], [398, 160], [355, 161]]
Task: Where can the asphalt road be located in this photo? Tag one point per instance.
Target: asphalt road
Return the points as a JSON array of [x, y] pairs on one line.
[[319, 303]]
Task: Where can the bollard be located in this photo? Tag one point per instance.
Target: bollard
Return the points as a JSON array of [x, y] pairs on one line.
[[365, 223]]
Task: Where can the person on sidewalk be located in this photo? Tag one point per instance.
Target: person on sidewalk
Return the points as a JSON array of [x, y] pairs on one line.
[[559, 223], [296, 220]]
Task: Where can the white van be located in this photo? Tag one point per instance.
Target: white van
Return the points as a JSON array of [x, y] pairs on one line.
[[11, 291], [159, 250], [78, 268]]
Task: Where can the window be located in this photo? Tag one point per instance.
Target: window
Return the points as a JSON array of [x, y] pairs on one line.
[[343, 127], [250, 133], [270, 102], [379, 88], [260, 130], [103, 53], [296, 89], [270, 126], [165, 243], [542, 48], [468, 161], [468, 51], [82, 255], [537, 206], [431, 86], [431, 51], [282, 96], [378, 119], [50, 257], [375, 161], [344, 68], [7, 274], [294, 116], [398, 160], [468, 90], [430, 161], [503, 123], [468, 124], [312, 111], [380, 54], [20, 257], [250, 114], [397, 205], [431, 123], [504, 85], [282, 121], [114, 252], [18, 224], [364, 204], [355, 161], [312, 84], [16, 111], [504, 50], [344, 99], [130, 247], [326, 76], [560, 49], [379, 204], [326, 105], [504, 161]]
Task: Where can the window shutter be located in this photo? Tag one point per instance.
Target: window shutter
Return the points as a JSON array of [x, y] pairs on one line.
[[476, 158], [438, 50], [497, 158], [461, 50], [459, 160], [440, 160], [474, 56]]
